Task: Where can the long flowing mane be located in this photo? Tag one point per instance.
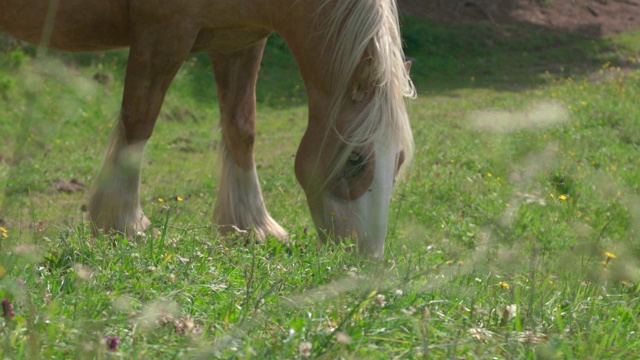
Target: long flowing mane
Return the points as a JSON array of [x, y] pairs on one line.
[[369, 29]]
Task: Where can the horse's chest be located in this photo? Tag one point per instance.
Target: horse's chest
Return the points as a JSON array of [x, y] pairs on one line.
[[227, 39]]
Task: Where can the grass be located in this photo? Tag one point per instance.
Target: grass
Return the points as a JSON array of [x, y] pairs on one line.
[[515, 234]]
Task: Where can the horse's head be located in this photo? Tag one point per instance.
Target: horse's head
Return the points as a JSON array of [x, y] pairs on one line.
[[352, 151], [358, 137]]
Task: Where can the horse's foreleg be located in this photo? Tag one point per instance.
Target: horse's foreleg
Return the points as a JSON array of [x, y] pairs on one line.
[[154, 59], [114, 203], [240, 205]]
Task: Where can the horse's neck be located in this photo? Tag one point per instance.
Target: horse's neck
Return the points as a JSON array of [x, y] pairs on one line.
[[297, 23]]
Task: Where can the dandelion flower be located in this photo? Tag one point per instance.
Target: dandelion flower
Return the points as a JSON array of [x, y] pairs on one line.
[[504, 285], [609, 256], [160, 199], [563, 197], [343, 337], [305, 349]]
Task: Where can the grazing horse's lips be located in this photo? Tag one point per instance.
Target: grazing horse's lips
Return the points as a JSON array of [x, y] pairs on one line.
[[364, 220]]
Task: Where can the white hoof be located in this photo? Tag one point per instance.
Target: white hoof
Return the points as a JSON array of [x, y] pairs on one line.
[[268, 227], [114, 219]]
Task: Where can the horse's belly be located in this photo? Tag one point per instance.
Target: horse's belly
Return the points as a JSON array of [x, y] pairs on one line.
[[227, 40], [90, 41]]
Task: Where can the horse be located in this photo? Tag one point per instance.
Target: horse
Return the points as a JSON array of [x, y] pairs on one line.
[[358, 137]]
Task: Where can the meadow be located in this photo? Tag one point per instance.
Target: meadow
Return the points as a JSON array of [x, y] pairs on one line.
[[515, 233]]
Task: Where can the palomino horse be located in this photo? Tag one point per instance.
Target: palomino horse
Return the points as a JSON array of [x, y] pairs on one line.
[[351, 59]]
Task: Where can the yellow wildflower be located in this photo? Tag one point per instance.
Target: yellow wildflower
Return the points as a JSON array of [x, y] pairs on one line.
[[504, 285], [563, 197], [609, 256]]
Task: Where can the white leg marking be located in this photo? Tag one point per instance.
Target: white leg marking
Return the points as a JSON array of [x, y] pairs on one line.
[[240, 204], [114, 203]]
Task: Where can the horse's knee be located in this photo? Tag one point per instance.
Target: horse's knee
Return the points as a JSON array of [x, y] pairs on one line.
[[239, 133], [136, 129], [239, 143]]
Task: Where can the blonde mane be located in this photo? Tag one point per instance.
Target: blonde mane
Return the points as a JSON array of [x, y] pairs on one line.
[[369, 30]]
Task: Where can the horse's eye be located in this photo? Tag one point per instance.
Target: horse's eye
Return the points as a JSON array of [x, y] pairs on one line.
[[355, 158], [355, 164]]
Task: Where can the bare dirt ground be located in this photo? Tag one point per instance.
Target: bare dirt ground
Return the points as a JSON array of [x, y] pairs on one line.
[[594, 18]]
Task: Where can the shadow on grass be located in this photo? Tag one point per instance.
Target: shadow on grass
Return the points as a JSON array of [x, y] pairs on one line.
[[453, 56]]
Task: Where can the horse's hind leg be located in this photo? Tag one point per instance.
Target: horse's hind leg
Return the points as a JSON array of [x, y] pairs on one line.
[[240, 204], [154, 59]]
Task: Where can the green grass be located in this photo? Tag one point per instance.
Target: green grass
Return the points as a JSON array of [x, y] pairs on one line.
[[498, 237]]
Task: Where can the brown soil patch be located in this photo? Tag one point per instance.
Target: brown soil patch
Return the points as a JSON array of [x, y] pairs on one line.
[[589, 17]]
